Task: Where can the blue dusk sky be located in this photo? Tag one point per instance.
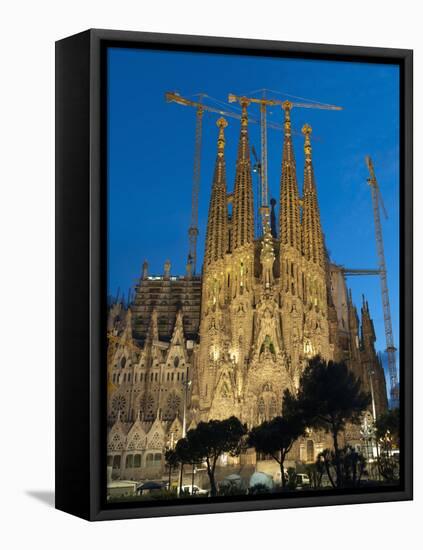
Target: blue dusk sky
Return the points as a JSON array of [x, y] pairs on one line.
[[151, 145]]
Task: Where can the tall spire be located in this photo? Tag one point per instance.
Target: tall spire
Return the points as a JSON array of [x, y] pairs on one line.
[[312, 237], [289, 212], [368, 335], [243, 212], [153, 330], [216, 237]]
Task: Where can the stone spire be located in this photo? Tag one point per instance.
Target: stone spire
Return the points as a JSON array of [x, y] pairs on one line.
[[153, 330], [243, 211], [352, 314], [368, 336], [353, 324], [289, 212], [128, 325], [312, 237], [216, 237], [145, 269]]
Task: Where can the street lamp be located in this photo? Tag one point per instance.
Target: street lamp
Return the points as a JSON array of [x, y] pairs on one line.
[[186, 385]]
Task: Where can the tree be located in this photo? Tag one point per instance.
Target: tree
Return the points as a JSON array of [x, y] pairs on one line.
[[172, 461], [348, 465], [209, 440], [276, 437], [187, 453], [329, 396], [315, 472]]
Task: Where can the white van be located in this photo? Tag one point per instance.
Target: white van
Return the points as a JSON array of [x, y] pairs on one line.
[[302, 480]]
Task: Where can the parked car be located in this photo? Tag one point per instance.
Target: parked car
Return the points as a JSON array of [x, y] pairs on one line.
[[149, 487], [195, 490], [302, 480]]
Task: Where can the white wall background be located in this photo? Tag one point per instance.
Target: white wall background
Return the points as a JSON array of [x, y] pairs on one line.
[[28, 31]]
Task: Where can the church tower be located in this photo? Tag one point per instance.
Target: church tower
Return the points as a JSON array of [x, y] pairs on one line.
[[216, 236], [291, 268], [212, 324], [316, 328], [240, 265], [373, 374]]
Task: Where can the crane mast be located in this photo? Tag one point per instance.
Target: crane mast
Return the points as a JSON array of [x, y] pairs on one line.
[[263, 131], [196, 178], [193, 228], [390, 347]]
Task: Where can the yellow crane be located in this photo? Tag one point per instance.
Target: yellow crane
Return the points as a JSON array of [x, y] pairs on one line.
[[377, 203], [200, 109], [286, 106]]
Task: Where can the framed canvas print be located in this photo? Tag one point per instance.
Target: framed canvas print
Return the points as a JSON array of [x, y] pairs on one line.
[[234, 275]]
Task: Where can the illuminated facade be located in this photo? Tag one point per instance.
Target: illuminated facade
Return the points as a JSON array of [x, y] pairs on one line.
[[231, 341]]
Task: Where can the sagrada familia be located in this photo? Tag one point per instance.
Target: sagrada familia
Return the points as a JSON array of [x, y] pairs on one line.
[[229, 342]]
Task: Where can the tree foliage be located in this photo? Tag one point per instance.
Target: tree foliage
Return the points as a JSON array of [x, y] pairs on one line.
[[344, 469], [329, 396], [276, 437], [209, 440], [172, 462]]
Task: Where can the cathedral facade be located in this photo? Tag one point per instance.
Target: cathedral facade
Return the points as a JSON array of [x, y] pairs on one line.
[[230, 342]]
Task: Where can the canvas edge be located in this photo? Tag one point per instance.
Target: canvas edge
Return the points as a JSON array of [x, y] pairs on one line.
[[96, 240]]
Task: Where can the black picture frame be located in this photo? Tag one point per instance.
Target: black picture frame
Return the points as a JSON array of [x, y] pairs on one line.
[[81, 267]]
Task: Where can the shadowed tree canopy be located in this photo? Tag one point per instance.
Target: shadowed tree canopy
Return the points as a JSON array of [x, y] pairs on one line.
[[209, 440], [275, 438], [187, 452], [330, 396], [172, 461]]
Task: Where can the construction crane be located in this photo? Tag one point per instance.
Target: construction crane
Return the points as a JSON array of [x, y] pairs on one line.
[[264, 103], [200, 109], [257, 170], [350, 272], [377, 203]]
